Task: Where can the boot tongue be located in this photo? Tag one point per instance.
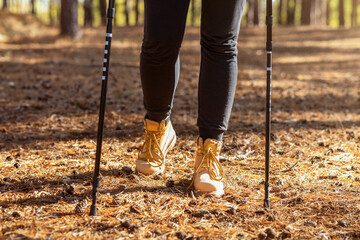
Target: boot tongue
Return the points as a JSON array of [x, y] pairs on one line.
[[151, 125], [213, 144]]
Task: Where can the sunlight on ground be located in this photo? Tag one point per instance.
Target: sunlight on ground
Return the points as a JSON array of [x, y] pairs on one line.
[[49, 99]]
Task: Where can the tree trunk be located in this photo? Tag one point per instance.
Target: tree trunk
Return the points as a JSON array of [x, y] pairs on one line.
[[103, 12], [256, 12], [318, 12], [69, 18], [16, 6], [354, 13], [137, 13], [323, 12], [193, 13], [341, 13], [51, 7], [127, 12], [5, 4], [33, 7], [328, 10], [58, 12], [290, 16], [250, 14], [280, 10], [88, 13], [306, 12]]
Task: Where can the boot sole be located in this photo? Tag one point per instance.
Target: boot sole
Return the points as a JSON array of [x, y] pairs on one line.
[[209, 194]]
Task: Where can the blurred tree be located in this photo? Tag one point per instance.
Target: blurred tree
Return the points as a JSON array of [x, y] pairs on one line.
[[88, 13], [58, 12], [14, 6], [5, 4], [280, 11], [103, 11], [328, 9], [306, 6], [354, 13], [256, 12], [193, 12], [127, 12], [250, 13], [291, 9], [69, 18], [33, 7], [137, 13], [51, 7], [341, 13], [318, 12]]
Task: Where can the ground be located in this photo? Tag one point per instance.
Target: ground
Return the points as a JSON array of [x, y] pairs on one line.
[[49, 98]]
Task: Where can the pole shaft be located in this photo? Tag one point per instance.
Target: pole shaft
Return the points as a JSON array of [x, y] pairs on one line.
[[269, 22], [106, 63]]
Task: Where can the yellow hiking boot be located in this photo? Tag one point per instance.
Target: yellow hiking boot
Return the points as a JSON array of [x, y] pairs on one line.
[[159, 139], [208, 172]]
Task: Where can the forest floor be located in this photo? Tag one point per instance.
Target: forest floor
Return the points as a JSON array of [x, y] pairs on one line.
[[49, 98]]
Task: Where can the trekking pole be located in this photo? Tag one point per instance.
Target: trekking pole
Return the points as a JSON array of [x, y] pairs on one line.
[[96, 177], [269, 22]]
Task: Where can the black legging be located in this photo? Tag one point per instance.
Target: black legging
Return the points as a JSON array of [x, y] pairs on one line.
[[159, 61]]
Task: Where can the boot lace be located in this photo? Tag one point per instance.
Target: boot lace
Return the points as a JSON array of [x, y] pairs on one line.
[[153, 153], [211, 164]]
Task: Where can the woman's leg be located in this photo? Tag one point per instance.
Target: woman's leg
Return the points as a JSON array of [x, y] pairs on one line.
[[220, 24], [159, 62]]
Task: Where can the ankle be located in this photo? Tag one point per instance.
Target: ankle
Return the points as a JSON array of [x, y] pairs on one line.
[[157, 119], [206, 133]]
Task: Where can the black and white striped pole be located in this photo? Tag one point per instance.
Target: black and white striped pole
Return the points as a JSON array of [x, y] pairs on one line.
[[269, 23], [96, 177]]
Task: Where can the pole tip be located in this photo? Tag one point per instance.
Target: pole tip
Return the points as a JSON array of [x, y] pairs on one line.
[[93, 210], [267, 203]]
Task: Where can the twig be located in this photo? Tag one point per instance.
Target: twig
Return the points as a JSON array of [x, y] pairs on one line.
[[290, 168]]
